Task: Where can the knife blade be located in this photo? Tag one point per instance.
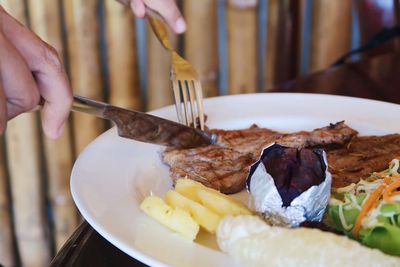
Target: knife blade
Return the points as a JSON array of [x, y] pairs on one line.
[[144, 127]]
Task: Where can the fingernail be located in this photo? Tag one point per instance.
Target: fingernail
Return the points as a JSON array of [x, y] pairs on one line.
[[180, 25]]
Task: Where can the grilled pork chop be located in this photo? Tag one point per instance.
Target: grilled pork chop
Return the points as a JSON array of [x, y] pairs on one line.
[[334, 134], [361, 157], [247, 141], [214, 166], [225, 166], [252, 140]]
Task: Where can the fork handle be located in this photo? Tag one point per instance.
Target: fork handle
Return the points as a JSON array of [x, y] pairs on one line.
[[160, 31]]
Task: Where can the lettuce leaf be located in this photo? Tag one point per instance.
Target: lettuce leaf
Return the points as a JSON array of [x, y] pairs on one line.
[[350, 216], [386, 238], [385, 235]]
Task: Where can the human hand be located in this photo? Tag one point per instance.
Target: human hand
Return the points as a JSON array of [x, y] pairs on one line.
[[166, 8], [31, 69]]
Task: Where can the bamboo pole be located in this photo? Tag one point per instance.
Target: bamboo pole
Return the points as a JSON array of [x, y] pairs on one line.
[[331, 30], [201, 47], [272, 45], [45, 21], [283, 39], [122, 58], [242, 46], [6, 239], [23, 152], [159, 88], [84, 62]]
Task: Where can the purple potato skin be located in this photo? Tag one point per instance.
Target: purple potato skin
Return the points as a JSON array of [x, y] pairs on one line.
[[293, 170]]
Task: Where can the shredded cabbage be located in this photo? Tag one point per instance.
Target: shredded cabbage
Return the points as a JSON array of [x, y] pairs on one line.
[[380, 228]]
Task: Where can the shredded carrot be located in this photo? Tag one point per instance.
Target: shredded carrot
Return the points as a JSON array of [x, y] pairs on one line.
[[368, 205], [386, 195], [397, 193], [387, 180], [389, 190]]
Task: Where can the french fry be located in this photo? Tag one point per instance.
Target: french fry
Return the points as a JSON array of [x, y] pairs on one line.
[[207, 219], [188, 188], [211, 198], [175, 219], [190, 206], [221, 203]]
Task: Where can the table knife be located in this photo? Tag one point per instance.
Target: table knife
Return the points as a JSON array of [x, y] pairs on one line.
[[144, 127]]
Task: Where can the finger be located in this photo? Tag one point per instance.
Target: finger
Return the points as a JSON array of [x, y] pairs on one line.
[[48, 71], [18, 85], [138, 8], [3, 110], [55, 89], [170, 12]]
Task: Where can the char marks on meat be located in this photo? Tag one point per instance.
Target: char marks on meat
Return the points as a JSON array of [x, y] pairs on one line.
[[247, 141], [218, 167], [225, 166], [334, 134], [252, 140], [362, 156]]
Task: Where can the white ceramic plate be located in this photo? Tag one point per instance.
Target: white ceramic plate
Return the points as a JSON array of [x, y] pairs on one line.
[[113, 175]]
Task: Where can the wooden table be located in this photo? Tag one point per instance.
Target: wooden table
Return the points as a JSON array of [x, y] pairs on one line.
[[376, 78]]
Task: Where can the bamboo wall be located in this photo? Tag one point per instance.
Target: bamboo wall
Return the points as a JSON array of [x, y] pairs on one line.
[[237, 46]]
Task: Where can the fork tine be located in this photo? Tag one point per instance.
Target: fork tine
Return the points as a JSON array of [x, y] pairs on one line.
[[192, 96], [199, 98], [184, 91], [178, 100], [185, 82]]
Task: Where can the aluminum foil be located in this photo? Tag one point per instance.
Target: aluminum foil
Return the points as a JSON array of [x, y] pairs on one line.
[[309, 205]]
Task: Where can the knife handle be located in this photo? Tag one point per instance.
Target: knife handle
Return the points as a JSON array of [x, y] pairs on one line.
[[89, 106], [83, 105]]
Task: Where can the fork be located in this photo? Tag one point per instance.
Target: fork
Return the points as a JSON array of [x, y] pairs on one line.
[[186, 84]]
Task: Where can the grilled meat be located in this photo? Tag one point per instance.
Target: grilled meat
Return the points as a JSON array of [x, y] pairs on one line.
[[218, 167], [248, 141], [252, 140], [334, 134], [362, 156], [225, 166]]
